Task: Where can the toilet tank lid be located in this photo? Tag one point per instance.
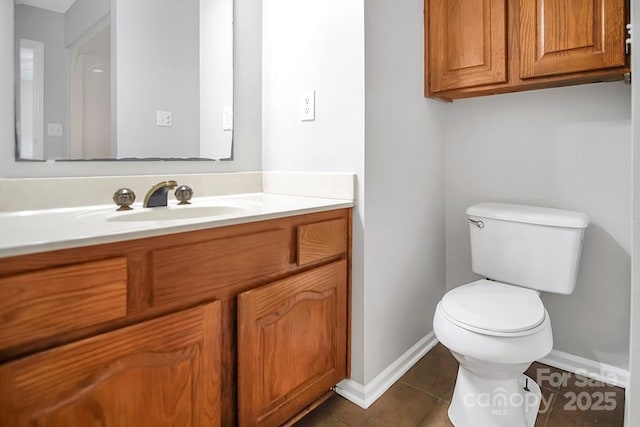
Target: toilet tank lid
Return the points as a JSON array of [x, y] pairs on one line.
[[529, 214]]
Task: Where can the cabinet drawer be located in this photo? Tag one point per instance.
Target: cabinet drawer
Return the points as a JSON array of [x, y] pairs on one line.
[[321, 240], [196, 270], [48, 302]]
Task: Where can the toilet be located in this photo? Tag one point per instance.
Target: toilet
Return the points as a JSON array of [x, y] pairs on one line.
[[497, 326]]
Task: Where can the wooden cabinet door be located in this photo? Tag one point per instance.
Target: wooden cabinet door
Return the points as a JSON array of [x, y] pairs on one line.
[[467, 43], [291, 344], [163, 372], [567, 36]]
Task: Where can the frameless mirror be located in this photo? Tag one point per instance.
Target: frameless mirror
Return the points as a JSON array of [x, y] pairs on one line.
[[124, 79]]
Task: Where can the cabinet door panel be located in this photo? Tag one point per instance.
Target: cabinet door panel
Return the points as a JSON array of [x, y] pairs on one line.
[[567, 36], [467, 43], [291, 344], [164, 372]]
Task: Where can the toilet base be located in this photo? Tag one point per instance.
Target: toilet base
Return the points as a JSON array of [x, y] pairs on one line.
[[486, 402]]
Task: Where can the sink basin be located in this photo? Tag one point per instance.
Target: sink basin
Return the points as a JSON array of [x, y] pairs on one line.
[[175, 213]]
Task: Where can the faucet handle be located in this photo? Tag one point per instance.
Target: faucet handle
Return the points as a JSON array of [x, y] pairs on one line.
[[124, 198], [184, 193]]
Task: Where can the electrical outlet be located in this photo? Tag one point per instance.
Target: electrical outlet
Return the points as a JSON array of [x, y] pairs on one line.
[[308, 106], [164, 119], [54, 129], [227, 118]]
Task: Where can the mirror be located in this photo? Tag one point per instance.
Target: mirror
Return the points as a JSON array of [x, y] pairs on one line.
[[124, 79]]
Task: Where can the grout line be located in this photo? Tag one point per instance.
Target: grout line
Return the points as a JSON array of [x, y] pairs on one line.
[[424, 391], [421, 422], [547, 414], [554, 402]]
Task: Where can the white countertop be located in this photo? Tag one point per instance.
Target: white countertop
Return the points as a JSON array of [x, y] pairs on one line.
[[26, 232]]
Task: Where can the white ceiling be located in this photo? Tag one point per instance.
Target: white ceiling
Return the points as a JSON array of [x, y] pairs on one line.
[[60, 6]]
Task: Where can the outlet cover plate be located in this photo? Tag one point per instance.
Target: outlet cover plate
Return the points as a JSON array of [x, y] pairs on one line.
[[164, 119]]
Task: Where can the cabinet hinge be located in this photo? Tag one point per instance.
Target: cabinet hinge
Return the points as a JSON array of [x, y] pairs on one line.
[[627, 41]]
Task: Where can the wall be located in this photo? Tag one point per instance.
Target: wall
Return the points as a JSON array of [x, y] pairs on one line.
[[318, 45], [632, 414], [216, 76], [247, 100], [567, 148], [157, 63], [95, 114], [48, 27], [404, 188], [82, 15]]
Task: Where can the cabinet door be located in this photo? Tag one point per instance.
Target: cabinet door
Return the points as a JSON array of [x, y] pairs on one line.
[[467, 43], [291, 344], [567, 36], [163, 372]]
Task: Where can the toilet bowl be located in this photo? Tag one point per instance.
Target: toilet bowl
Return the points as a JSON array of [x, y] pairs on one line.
[[496, 327], [493, 353]]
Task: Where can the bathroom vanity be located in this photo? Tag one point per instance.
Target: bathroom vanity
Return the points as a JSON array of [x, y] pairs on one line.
[[240, 322]]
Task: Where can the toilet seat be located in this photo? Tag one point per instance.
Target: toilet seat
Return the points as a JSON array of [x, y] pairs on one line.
[[493, 308]]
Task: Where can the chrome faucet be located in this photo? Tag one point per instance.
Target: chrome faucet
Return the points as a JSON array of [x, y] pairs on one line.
[[157, 195]]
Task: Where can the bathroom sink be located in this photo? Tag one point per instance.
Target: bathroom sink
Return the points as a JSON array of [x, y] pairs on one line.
[[170, 213]]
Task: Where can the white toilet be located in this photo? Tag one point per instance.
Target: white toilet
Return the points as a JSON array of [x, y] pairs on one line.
[[498, 326]]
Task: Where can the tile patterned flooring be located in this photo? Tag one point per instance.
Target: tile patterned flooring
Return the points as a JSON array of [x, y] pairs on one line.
[[421, 399]]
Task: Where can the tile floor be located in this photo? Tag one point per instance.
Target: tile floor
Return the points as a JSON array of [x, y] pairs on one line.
[[421, 398]]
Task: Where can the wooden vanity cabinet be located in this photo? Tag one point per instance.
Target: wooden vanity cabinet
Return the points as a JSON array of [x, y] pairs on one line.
[[244, 325], [484, 47]]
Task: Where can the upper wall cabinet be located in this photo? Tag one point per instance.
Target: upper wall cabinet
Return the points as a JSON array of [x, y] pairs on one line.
[[483, 47]]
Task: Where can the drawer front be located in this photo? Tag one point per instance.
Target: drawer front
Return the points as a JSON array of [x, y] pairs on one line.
[[49, 302], [197, 270], [321, 240]]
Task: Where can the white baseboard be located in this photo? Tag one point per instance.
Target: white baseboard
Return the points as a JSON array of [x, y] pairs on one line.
[[364, 396], [586, 367]]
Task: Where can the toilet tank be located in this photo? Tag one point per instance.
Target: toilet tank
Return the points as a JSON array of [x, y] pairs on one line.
[[534, 247]]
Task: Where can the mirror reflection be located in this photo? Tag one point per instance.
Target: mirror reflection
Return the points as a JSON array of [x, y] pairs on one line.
[[124, 79]]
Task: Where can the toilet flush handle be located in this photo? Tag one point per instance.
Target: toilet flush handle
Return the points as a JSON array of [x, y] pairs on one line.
[[478, 224]]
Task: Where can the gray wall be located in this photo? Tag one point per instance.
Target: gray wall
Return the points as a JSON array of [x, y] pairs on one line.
[[216, 76], [247, 94], [157, 63], [48, 27], [82, 15], [567, 148], [632, 417], [404, 187]]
